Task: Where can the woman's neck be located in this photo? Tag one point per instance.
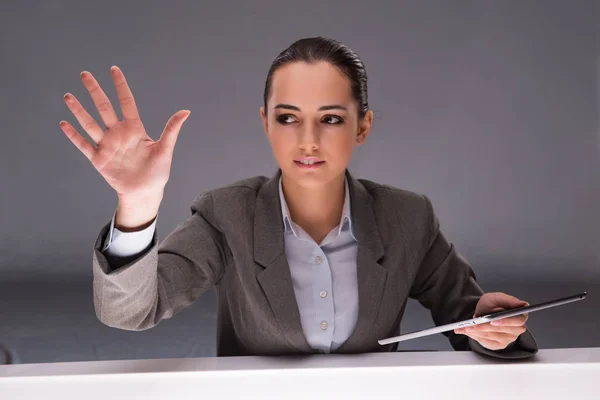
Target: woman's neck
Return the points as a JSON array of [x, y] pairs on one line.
[[317, 208]]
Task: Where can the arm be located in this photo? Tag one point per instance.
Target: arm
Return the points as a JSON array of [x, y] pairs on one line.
[[164, 279], [446, 285]]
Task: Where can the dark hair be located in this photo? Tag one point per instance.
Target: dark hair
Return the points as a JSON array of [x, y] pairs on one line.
[[316, 49]]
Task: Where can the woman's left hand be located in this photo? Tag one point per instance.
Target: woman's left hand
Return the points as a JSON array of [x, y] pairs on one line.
[[496, 335]]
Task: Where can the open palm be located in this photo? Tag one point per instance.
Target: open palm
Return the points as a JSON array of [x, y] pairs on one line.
[[126, 157]]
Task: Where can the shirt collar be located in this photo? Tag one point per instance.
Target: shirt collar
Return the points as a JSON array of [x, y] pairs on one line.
[[345, 220]]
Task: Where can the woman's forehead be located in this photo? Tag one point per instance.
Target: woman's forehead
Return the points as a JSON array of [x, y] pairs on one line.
[[310, 85]]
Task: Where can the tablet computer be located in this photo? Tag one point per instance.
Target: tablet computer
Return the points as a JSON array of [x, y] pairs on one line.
[[484, 319]]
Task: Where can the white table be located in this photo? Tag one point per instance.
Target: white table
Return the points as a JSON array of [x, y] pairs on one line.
[[552, 374]]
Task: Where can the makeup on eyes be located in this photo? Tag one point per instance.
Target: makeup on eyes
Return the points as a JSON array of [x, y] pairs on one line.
[[340, 120]]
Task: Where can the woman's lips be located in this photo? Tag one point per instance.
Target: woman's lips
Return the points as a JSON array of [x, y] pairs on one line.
[[309, 166]]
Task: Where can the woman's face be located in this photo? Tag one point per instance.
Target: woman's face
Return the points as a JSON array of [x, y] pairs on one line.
[[296, 126]]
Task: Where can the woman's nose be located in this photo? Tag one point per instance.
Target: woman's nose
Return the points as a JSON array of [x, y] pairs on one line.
[[309, 137]]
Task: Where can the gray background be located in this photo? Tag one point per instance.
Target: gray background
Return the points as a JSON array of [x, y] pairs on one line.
[[488, 107]]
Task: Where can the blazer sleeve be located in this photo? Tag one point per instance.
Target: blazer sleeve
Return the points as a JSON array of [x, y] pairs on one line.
[[446, 284], [163, 279]]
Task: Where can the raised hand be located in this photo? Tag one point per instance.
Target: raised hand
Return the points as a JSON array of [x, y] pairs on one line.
[[127, 158]]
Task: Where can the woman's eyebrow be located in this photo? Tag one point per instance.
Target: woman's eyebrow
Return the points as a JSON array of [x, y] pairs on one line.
[[322, 108]]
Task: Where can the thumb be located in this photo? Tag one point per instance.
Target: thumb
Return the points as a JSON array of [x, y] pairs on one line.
[[493, 310], [169, 136], [506, 301]]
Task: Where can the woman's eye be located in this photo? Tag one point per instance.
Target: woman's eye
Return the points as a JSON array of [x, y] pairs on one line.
[[335, 117], [281, 118], [337, 120]]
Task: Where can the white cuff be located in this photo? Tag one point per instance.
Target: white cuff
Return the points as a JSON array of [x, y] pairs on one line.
[[124, 244]]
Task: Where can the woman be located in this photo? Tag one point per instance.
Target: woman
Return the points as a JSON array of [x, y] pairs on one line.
[[310, 260]]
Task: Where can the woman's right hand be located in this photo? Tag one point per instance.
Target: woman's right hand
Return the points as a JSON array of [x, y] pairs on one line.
[[129, 160]]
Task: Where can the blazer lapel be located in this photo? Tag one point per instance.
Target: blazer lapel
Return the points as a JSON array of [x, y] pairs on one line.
[[276, 280], [269, 251], [371, 275]]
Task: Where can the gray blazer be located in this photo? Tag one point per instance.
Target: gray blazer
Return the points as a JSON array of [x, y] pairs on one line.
[[233, 241]]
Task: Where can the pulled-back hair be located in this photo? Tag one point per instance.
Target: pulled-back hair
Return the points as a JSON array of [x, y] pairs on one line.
[[318, 49]]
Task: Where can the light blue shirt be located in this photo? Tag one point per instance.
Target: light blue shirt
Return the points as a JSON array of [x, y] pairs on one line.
[[324, 278]]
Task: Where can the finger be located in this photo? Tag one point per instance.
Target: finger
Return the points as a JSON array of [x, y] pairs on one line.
[[169, 136], [100, 99], [83, 145], [126, 99], [87, 122], [512, 330], [497, 336], [517, 320], [490, 344]]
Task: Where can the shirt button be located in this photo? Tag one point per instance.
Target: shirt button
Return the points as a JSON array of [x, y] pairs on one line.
[[324, 325], [318, 259], [323, 294]]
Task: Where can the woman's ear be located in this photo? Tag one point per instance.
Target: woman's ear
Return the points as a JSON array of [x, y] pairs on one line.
[[364, 127], [264, 120]]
